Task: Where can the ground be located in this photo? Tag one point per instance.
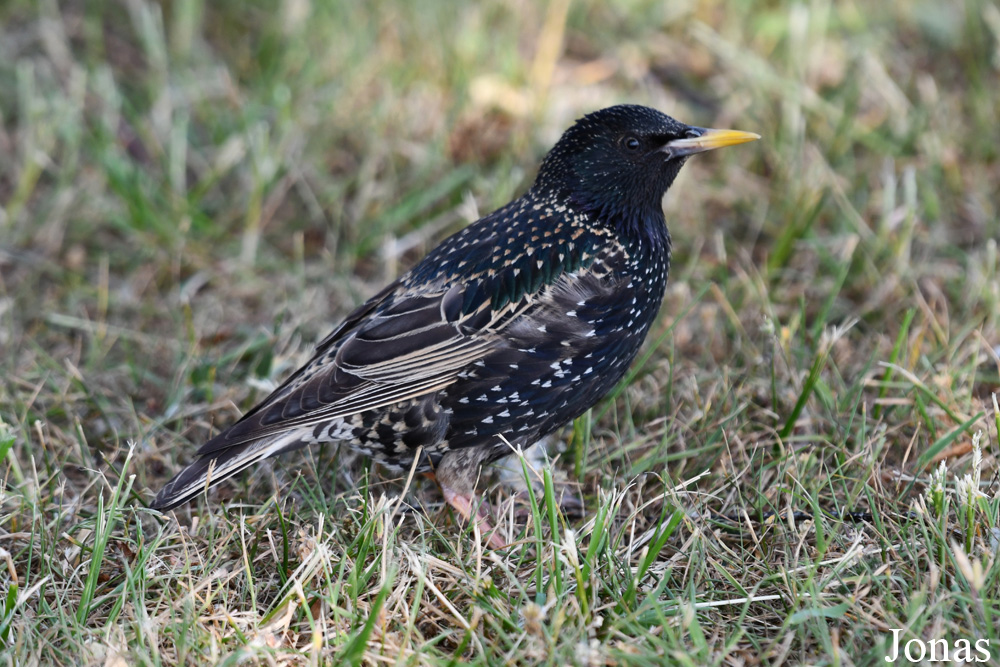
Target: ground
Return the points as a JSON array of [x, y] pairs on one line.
[[192, 194]]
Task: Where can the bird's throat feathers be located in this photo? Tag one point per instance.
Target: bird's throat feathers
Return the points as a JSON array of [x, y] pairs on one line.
[[638, 227], [638, 221], [632, 207]]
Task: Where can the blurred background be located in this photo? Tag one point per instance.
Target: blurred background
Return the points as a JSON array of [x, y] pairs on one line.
[[192, 193]]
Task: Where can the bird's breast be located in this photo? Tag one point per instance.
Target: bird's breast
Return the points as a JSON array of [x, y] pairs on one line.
[[558, 358]]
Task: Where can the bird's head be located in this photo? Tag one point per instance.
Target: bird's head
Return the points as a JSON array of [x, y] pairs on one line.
[[618, 162]]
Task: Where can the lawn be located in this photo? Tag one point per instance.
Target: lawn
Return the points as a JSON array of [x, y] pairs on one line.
[[803, 460]]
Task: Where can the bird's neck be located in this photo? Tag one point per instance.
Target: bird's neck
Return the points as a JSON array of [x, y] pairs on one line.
[[639, 223], [641, 230], [644, 229]]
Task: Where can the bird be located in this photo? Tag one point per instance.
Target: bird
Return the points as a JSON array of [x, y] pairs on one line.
[[507, 330]]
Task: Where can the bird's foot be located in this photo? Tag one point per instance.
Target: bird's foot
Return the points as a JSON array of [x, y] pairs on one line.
[[463, 505]]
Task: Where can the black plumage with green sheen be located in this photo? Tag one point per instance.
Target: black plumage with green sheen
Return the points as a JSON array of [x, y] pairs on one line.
[[503, 333]]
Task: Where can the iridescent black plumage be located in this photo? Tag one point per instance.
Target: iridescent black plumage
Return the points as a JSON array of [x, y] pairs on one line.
[[507, 330]]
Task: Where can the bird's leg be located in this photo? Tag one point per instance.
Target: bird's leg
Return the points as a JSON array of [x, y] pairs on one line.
[[463, 504], [457, 473]]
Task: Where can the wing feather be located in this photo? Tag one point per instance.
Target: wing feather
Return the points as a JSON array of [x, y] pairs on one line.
[[402, 347], [409, 340]]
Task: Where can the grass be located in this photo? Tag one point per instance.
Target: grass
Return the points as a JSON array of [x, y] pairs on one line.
[[192, 194]]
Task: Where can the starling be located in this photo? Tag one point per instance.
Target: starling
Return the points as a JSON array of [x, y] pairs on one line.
[[504, 332]]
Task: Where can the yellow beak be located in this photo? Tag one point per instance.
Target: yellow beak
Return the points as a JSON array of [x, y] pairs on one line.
[[709, 140]]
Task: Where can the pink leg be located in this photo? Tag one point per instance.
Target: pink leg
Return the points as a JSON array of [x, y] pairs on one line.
[[463, 505]]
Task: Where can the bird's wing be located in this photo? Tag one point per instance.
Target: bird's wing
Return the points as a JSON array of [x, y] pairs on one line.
[[417, 335], [397, 346]]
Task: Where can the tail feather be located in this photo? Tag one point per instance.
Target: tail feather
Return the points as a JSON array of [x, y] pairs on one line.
[[208, 471]]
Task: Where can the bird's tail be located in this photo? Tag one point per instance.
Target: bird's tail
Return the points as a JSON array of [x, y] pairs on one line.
[[220, 465]]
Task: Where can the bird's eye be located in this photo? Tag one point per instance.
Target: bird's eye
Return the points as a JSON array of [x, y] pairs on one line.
[[631, 144]]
